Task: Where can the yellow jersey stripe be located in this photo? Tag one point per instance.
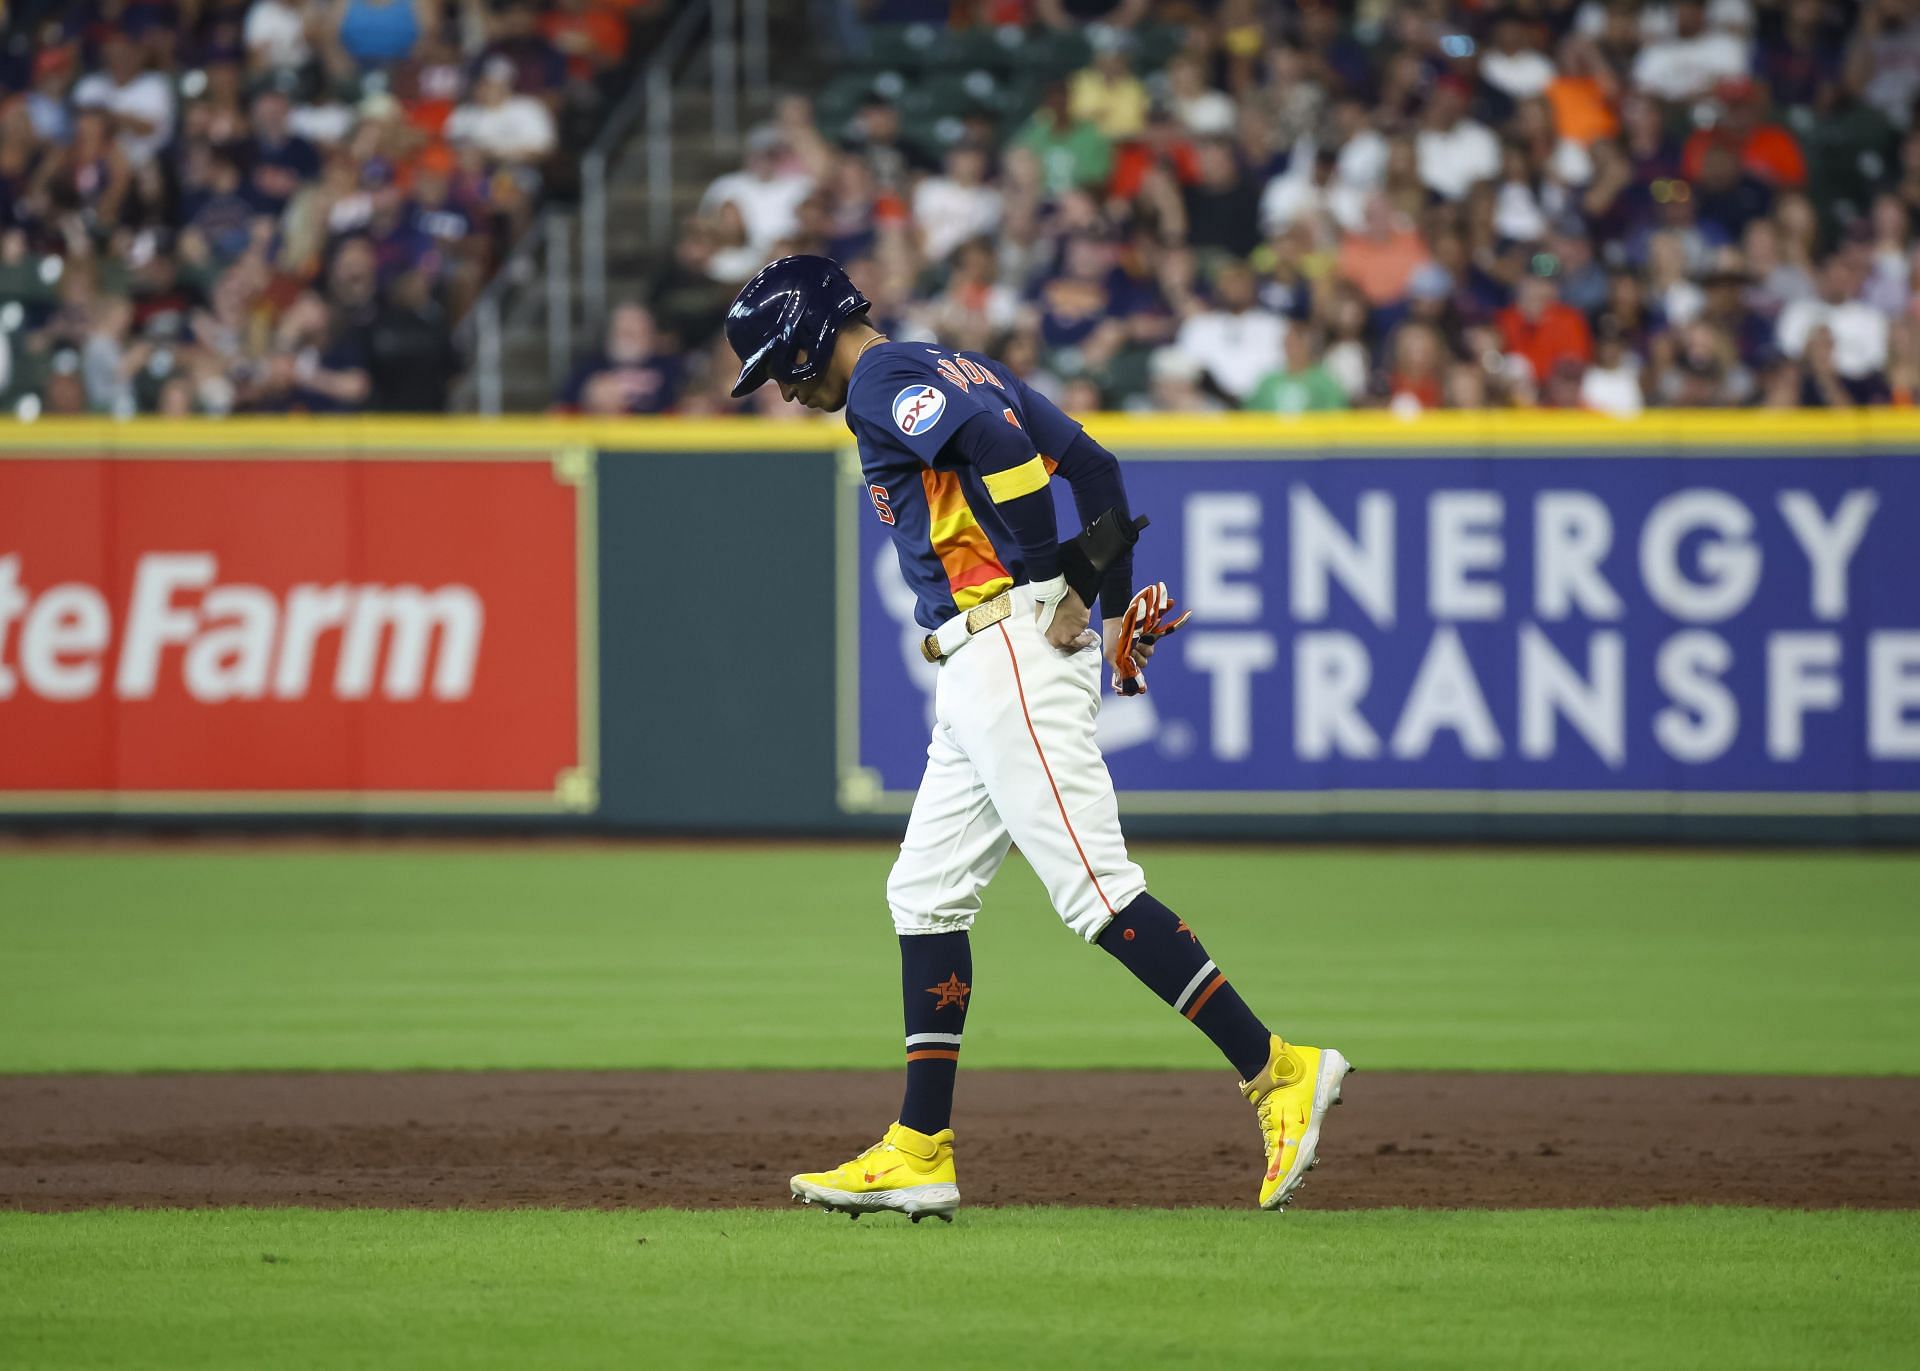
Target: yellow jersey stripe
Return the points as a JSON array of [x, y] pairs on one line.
[[950, 524], [1016, 481], [967, 597]]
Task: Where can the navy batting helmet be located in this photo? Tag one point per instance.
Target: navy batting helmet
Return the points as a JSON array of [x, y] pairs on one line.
[[792, 307]]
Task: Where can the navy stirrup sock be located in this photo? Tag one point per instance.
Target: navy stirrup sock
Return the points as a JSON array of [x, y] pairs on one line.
[[936, 977], [1156, 945]]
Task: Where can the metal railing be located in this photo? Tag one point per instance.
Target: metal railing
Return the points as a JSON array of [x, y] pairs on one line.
[[738, 55], [737, 63]]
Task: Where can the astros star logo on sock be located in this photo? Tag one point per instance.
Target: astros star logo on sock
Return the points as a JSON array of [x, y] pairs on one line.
[[953, 990]]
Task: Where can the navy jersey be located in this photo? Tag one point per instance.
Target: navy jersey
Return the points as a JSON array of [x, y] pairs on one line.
[[905, 402]]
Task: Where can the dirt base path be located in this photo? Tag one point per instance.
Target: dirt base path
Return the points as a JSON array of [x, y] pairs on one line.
[[642, 1139]]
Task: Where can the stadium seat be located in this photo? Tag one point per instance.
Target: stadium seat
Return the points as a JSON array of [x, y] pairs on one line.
[[913, 46]]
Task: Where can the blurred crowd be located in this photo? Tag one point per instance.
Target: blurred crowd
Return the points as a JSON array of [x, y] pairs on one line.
[[229, 206], [1310, 206]]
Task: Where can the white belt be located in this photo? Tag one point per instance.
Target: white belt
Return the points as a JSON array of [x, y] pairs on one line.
[[951, 636]]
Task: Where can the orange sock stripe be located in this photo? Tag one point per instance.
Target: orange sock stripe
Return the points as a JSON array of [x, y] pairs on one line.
[[938, 1054], [1200, 1000]]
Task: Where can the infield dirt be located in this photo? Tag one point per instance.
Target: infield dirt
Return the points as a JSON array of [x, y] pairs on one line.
[[726, 1139]]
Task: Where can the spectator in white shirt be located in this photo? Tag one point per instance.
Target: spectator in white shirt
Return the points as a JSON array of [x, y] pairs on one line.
[[1665, 275], [1236, 342], [516, 130], [1655, 21], [766, 198], [1886, 55], [959, 205], [1514, 65], [1611, 385], [1693, 61], [1889, 282], [1454, 151], [139, 102], [275, 35], [1204, 111], [1363, 149], [1859, 330], [1310, 188], [1173, 385]]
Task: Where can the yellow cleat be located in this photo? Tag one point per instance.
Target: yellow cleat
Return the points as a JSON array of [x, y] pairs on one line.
[[1291, 1096], [908, 1172]]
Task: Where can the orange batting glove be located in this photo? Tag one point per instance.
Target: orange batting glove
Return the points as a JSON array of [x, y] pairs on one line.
[[1144, 624]]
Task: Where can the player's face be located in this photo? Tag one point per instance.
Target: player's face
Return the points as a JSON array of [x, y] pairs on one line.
[[822, 393]]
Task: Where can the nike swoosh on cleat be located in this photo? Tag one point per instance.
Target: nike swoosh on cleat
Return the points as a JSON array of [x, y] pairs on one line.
[[872, 1176], [1274, 1171]]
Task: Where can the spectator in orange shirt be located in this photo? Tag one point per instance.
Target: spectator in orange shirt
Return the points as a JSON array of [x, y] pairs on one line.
[[1415, 379], [1584, 96], [591, 36], [1542, 329], [1382, 258], [1163, 143], [1766, 150]]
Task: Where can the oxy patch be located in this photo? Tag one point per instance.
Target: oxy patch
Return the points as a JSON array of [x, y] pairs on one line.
[[918, 408]]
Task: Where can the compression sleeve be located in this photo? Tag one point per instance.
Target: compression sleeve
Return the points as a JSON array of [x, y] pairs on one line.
[[1016, 482], [1094, 474]]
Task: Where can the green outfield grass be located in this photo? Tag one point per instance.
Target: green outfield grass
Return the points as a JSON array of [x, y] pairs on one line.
[[1665, 1289], [783, 957]]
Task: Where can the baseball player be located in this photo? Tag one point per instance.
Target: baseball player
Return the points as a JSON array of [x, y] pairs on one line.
[[958, 454]]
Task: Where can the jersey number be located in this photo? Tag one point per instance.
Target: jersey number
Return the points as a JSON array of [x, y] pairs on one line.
[[880, 506]]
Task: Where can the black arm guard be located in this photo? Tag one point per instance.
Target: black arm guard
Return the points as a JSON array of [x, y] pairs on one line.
[[1085, 560]]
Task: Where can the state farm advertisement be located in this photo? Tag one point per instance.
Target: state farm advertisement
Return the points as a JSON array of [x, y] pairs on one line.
[[293, 633]]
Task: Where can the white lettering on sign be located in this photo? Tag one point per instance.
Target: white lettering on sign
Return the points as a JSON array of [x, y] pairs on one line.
[[1230, 660], [233, 641], [1463, 537], [62, 642], [1595, 702], [1331, 672], [1802, 675], [230, 658], [1729, 563], [1572, 534], [1829, 544], [1320, 551], [154, 621], [408, 618], [1701, 556], [1704, 718], [312, 612], [13, 603], [1222, 538], [1893, 696], [1446, 694]]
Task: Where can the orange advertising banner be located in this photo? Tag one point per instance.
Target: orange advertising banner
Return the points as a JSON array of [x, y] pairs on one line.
[[297, 632]]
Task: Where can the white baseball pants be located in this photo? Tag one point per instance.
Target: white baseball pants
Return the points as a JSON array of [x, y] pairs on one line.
[[1013, 760]]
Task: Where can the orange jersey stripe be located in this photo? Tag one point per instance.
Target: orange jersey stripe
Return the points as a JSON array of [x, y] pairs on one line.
[[977, 576], [962, 546], [935, 1053]]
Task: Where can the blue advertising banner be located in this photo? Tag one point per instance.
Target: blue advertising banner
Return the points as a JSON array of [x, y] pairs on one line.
[[1653, 630]]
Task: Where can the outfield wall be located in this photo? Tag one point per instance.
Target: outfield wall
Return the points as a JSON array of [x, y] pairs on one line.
[[1694, 626]]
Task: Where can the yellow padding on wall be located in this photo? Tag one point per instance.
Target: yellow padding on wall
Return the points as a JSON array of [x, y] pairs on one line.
[[1021, 480]]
